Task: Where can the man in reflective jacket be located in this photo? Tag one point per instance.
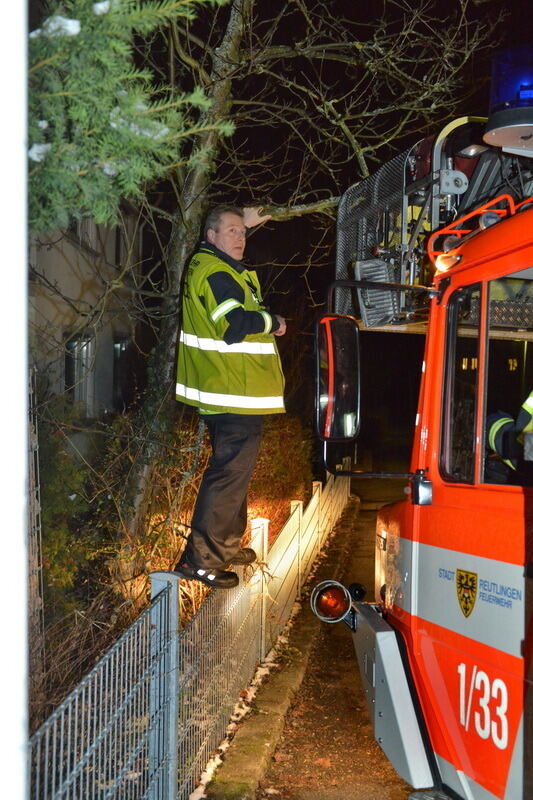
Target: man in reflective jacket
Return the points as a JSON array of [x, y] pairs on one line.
[[229, 368]]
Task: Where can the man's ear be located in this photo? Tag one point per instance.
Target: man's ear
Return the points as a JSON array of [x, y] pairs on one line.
[[210, 234]]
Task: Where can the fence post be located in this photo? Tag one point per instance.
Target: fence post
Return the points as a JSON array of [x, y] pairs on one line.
[[259, 542], [164, 683], [317, 487], [297, 505], [339, 495], [325, 504], [347, 464]]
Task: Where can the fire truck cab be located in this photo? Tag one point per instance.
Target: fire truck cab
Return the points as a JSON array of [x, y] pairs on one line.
[[445, 649]]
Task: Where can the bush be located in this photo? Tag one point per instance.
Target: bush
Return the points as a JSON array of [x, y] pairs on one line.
[[82, 544], [283, 471], [63, 508]]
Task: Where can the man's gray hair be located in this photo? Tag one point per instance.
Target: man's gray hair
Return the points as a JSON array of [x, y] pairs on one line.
[[213, 218]]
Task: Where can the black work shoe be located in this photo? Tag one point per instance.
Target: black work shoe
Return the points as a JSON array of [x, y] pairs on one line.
[[243, 556], [211, 577]]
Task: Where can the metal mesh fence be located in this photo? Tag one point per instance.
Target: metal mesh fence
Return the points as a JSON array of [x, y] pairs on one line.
[[292, 555], [108, 738], [144, 722], [35, 573], [218, 653], [312, 543]]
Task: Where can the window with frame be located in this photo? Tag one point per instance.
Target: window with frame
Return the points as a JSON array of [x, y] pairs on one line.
[[508, 455], [459, 402], [123, 373], [79, 372], [507, 402]]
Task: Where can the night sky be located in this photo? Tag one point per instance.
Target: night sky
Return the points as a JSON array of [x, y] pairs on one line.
[[391, 363]]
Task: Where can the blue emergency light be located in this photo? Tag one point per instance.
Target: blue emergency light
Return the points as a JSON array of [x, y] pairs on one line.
[[510, 123]]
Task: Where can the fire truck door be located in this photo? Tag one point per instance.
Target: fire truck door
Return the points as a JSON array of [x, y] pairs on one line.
[[470, 594]]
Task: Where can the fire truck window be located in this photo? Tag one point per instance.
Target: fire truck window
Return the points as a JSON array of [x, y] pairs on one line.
[[508, 421], [459, 401]]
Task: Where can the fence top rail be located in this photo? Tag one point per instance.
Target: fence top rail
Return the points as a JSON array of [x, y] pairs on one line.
[[100, 664]]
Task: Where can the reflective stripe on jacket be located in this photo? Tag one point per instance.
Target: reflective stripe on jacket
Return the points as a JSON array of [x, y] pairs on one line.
[[501, 431], [243, 377], [524, 420]]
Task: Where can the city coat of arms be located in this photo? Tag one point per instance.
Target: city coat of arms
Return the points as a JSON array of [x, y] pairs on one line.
[[466, 585]]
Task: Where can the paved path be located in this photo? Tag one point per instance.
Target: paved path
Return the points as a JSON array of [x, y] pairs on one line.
[[327, 750], [309, 737]]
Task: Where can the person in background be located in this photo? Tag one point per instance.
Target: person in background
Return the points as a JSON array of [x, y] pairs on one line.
[[510, 446], [229, 368]]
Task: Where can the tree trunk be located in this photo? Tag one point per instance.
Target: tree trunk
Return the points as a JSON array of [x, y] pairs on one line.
[[156, 415]]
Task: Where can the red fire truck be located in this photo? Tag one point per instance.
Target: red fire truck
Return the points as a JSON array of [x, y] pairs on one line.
[[445, 650]]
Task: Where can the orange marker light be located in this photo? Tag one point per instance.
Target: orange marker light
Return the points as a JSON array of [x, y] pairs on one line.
[[330, 601]]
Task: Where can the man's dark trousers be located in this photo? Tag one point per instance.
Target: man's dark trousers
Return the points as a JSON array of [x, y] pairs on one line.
[[220, 514]]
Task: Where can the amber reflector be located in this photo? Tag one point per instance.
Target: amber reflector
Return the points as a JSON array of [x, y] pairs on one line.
[[333, 602]]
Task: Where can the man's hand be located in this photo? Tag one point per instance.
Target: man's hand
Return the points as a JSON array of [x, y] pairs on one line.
[[282, 326], [253, 217]]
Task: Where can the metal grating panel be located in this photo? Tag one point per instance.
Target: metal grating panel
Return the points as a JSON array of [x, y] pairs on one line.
[[506, 313], [369, 216], [376, 307]]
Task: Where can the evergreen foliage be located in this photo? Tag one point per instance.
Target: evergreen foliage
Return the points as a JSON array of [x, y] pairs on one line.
[[63, 508], [100, 129]]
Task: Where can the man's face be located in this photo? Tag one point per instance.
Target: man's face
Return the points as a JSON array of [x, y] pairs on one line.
[[230, 236]]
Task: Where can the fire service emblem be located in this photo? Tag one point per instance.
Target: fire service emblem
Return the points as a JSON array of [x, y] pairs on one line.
[[466, 585]]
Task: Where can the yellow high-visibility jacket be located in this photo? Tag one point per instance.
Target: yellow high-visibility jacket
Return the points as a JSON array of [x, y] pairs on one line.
[[221, 303]]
